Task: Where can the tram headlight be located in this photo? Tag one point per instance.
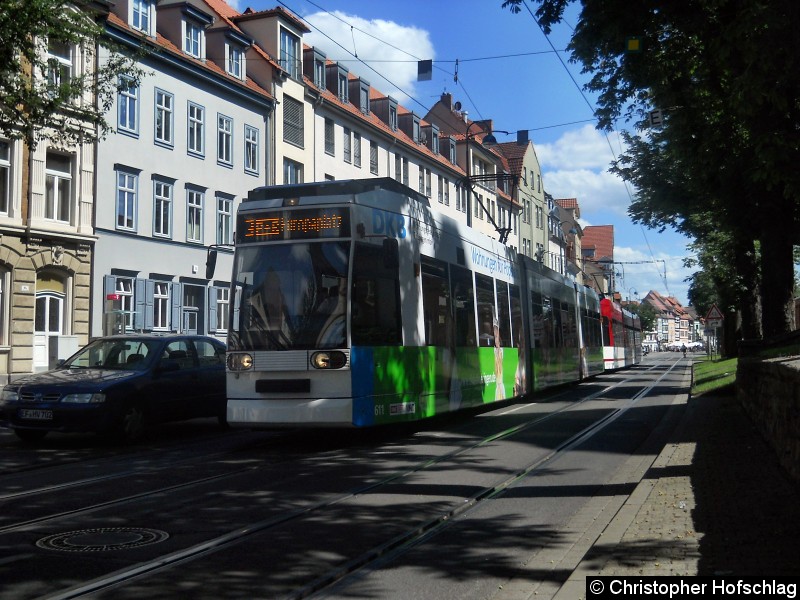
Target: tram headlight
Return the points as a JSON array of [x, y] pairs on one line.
[[328, 360], [240, 361]]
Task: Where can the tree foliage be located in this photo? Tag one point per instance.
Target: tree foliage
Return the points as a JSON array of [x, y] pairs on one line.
[[39, 98], [724, 75]]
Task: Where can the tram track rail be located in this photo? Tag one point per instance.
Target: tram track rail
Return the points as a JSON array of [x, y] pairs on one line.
[[392, 547]]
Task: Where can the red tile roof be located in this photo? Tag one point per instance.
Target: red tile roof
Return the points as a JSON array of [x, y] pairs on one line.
[[161, 42], [601, 237]]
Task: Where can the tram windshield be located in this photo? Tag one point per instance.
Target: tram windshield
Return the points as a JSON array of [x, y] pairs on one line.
[[291, 296]]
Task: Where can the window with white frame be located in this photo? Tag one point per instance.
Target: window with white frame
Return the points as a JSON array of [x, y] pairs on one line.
[[405, 171], [292, 171], [319, 72], [235, 61], [224, 140], [357, 149], [330, 141], [446, 192], [162, 208], [141, 15], [393, 117], [59, 65], [5, 176], [161, 305], [342, 87], [223, 308], [196, 123], [193, 38], [421, 186], [440, 189], [398, 167], [224, 220], [58, 187], [428, 191], [290, 53], [124, 289], [128, 105], [127, 184], [250, 149], [292, 121], [348, 145], [194, 215], [164, 118]]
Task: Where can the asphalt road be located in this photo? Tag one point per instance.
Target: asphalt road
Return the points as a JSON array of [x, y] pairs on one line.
[[453, 508]]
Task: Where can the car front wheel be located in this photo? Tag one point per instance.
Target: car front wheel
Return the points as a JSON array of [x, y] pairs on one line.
[[133, 423]]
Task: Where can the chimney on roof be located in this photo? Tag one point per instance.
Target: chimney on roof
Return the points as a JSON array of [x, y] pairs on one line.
[[465, 116], [447, 100]]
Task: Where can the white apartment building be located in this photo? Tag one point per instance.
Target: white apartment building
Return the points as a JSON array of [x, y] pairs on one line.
[[191, 140]]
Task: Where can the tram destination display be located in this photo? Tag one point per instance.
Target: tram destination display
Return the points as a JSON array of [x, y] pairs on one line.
[[298, 224]]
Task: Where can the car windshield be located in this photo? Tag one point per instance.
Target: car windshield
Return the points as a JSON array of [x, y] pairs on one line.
[[131, 355]]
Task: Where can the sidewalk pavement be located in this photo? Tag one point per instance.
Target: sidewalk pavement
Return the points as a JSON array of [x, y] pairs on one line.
[[714, 502]]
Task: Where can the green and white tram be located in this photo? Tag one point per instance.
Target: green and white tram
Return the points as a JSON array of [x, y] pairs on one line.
[[356, 304]]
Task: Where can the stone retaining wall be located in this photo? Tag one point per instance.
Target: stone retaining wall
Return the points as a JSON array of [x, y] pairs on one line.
[[769, 390]]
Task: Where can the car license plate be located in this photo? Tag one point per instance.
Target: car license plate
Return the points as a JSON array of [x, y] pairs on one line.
[[40, 415]]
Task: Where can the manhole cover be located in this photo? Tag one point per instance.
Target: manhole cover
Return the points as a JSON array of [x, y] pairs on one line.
[[101, 540]]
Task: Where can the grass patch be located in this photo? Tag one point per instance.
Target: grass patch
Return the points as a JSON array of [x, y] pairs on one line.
[[713, 375]]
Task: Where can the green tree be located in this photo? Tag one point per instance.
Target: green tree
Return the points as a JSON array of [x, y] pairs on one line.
[[647, 315], [723, 160], [40, 98]]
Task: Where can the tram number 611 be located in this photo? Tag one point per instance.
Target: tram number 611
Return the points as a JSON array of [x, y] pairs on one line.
[[380, 410]]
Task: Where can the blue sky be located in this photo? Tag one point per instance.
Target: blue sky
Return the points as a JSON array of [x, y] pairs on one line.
[[509, 72]]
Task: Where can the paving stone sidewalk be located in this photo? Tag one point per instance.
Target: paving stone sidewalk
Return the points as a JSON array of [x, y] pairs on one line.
[[714, 502]]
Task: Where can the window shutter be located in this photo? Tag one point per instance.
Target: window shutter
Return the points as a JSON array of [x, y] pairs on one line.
[[150, 290], [292, 121], [175, 298], [140, 308], [212, 309]]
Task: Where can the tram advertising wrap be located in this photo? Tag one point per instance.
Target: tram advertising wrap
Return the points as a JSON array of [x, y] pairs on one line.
[[356, 304]]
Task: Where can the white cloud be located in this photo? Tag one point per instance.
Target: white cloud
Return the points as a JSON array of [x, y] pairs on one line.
[[389, 48]]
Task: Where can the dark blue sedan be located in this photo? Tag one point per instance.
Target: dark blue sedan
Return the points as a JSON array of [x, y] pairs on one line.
[[119, 384]]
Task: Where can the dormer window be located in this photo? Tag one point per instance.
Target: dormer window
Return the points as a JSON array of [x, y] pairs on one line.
[[452, 150], [235, 47], [194, 31], [290, 53], [343, 94], [141, 17], [363, 97], [235, 61], [416, 130], [393, 117], [319, 72], [193, 39]]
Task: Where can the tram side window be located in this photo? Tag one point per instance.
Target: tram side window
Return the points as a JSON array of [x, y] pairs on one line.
[[503, 312], [436, 303], [375, 299], [463, 297], [570, 329], [516, 317], [558, 333], [484, 289], [537, 321]]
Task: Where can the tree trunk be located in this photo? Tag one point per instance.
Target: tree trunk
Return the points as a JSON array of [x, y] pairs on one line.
[[777, 266]]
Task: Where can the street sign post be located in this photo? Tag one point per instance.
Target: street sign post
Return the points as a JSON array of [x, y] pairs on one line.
[[714, 319]]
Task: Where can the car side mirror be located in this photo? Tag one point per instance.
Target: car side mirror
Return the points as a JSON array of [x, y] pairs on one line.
[[211, 262]]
